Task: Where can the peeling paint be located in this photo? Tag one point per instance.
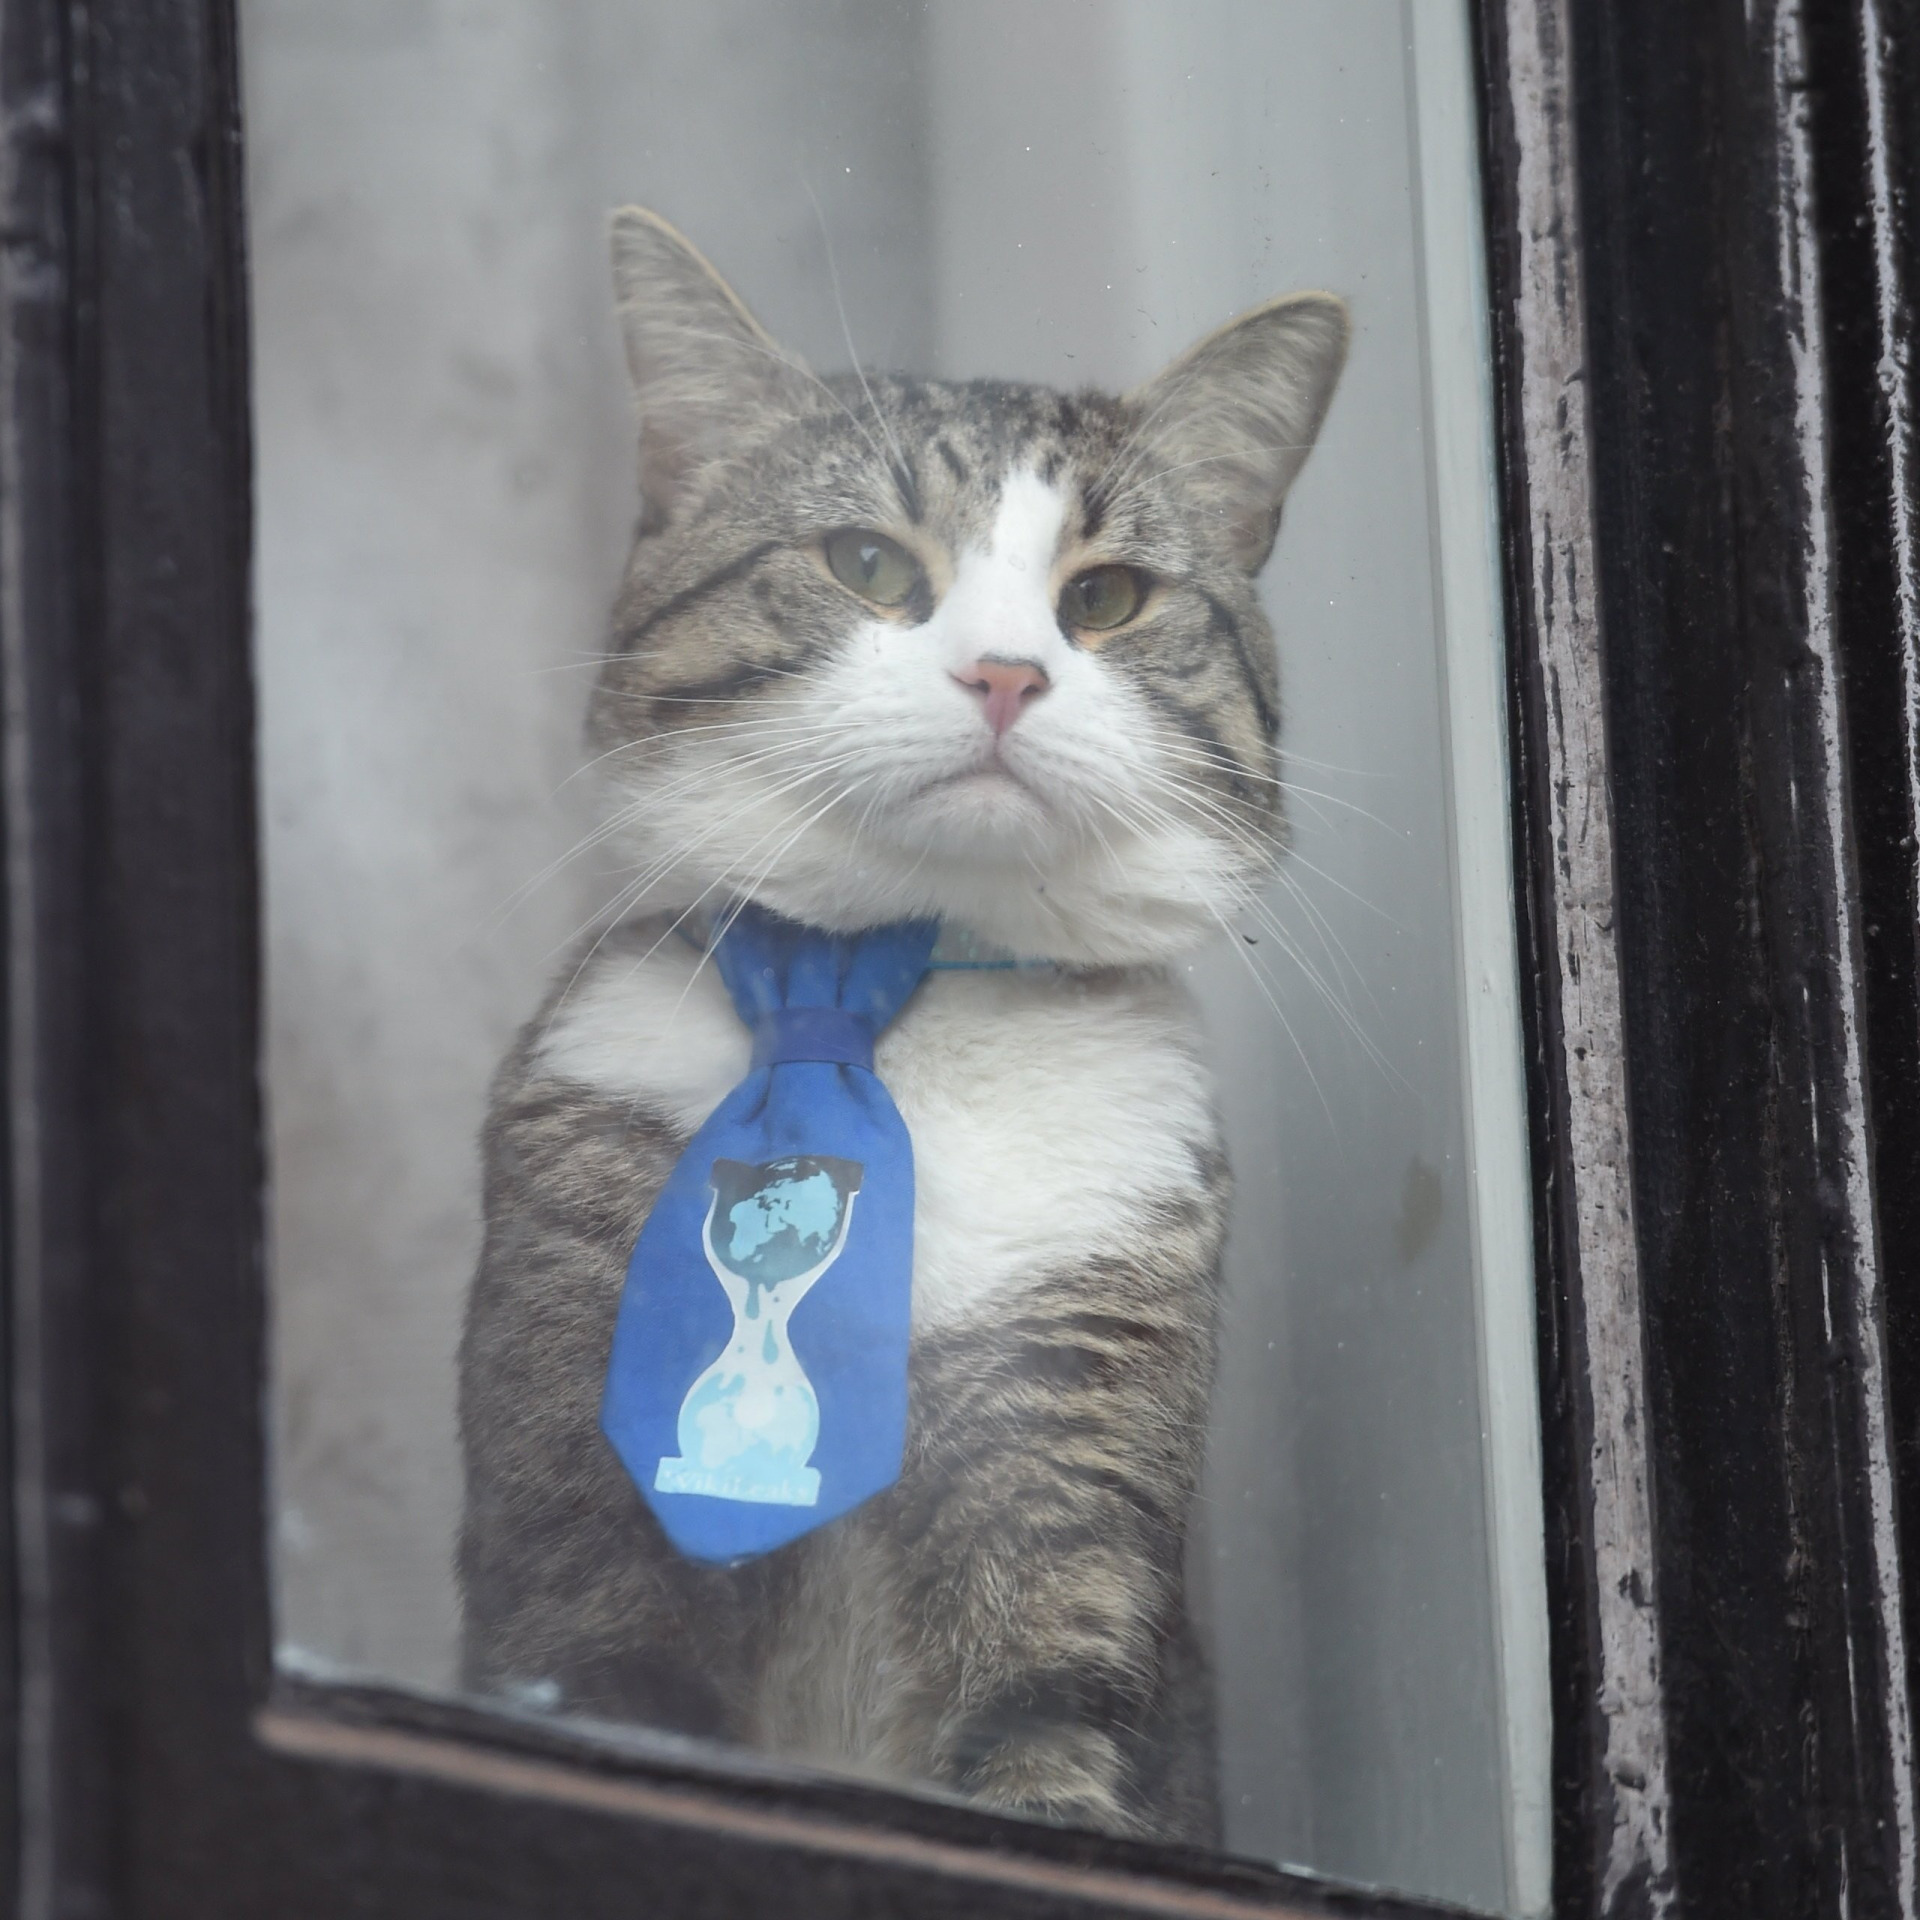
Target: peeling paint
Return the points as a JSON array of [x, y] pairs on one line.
[[1856, 1245], [1554, 401], [1891, 373]]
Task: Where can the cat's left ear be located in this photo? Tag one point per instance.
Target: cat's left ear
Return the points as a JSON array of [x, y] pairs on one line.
[[1236, 416]]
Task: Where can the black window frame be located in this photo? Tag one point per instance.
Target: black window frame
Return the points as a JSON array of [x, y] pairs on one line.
[[1702, 257]]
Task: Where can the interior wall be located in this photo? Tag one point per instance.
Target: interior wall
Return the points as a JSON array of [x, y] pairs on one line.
[[445, 483], [1070, 193], [1183, 165]]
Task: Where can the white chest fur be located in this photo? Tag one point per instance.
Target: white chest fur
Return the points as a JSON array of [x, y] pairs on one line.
[[1049, 1114]]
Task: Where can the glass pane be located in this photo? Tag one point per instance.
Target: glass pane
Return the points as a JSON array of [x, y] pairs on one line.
[[890, 650]]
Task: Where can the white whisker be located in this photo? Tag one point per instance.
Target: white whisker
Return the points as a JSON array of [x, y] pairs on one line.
[[900, 467], [629, 896]]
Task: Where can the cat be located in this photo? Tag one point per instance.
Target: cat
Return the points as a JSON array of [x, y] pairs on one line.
[[894, 648]]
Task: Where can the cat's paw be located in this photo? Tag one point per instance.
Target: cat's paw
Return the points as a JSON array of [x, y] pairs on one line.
[[1069, 1776]]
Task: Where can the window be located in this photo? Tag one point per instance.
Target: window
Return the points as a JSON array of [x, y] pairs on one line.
[[445, 488], [1589, 1272]]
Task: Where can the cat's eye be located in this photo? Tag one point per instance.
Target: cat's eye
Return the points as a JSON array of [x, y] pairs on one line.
[[874, 567], [1102, 598]]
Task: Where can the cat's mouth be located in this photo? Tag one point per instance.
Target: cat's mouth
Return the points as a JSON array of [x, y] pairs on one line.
[[986, 777], [990, 778], [987, 797]]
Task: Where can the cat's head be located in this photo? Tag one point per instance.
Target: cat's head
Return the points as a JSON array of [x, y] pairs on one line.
[[893, 648]]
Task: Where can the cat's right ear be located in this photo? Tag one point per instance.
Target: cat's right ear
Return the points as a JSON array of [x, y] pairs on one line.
[[705, 372]]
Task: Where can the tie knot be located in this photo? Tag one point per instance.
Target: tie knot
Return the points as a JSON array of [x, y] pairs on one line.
[[831, 1034]]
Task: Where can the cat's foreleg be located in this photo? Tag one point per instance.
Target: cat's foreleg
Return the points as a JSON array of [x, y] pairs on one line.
[[572, 1596], [1040, 1531]]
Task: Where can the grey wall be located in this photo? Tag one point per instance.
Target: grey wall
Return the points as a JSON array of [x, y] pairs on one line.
[[1145, 172], [445, 487], [1069, 192]]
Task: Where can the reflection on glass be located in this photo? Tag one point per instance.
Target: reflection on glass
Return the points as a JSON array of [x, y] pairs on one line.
[[1066, 195]]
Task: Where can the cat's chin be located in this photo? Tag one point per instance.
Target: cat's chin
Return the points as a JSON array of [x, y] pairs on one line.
[[980, 851], [1058, 906]]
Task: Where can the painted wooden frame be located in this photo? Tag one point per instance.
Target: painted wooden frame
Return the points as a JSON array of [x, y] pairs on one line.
[[1700, 240]]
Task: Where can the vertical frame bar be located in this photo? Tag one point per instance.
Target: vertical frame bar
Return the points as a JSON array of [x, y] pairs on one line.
[[1610, 1741], [1713, 383], [1467, 565], [60, 1666], [1863, 68]]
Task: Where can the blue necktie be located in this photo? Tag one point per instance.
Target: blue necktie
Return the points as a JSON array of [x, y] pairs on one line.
[[758, 1382]]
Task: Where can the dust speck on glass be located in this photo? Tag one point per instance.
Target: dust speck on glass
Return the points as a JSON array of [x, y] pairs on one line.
[[897, 1123]]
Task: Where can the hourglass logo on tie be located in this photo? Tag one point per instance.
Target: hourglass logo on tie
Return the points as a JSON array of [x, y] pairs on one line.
[[750, 1422], [757, 1375]]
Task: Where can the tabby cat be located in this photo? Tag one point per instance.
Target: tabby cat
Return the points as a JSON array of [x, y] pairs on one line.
[[891, 649]]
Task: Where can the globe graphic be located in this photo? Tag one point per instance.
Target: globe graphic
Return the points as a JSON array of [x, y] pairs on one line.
[[749, 1424]]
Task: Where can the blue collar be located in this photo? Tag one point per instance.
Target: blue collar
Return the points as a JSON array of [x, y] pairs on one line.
[[956, 951]]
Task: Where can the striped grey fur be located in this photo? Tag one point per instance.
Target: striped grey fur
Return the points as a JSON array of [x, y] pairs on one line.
[[1008, 1621]]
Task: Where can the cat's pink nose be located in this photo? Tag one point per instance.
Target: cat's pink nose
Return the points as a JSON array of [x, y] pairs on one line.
[[1007, 687]]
